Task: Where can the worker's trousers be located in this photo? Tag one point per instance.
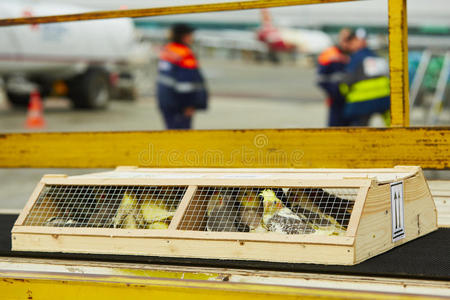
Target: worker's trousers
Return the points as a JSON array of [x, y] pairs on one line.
[[176, 120]]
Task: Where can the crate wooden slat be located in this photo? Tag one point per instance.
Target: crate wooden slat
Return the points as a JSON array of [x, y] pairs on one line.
[[440, 190], [342, 216]]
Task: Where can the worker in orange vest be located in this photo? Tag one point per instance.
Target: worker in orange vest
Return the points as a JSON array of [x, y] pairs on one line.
[[181, 89], [331, 67]]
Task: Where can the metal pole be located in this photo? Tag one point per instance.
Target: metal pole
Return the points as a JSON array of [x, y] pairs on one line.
[[418, 77], [438, 99]]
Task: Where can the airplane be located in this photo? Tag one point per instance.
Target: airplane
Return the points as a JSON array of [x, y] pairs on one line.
[[78, 59], [428, 21], [355, 13], [279, 39], [269, 38]]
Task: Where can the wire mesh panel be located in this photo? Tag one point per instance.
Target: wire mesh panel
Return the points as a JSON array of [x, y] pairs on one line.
[[128, 207], [280, 210]]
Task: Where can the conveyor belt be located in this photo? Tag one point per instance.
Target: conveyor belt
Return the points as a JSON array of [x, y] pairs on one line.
[[427, 258]]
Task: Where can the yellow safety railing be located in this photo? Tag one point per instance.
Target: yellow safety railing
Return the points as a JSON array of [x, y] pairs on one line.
[[428, 147], [163, 11], [32, 285], [398, 63]]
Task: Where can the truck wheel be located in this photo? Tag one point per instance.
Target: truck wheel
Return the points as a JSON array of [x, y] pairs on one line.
[[90, 90], [18, 100]]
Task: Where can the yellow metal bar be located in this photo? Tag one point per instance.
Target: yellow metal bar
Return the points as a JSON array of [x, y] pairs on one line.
[[398, 52], [139, 271], [298, 148], [163, 11], [38, 286]]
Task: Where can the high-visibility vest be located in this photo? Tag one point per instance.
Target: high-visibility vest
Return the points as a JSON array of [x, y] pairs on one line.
[[180, 55], [366, 89], [180, 83]]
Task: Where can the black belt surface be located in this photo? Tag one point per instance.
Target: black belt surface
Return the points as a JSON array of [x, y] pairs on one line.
[[427, 257]]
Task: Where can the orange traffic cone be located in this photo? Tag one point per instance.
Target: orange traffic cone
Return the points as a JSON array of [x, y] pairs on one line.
[[35, 116]]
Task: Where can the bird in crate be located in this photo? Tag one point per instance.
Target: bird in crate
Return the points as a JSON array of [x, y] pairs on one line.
[[304, 202], [149, 212], [43, 212], [61, 222], [278, 218], [53, 213], [159, 225], [336, 206], [251, 209], [157, 211], [222, 213], [128, 214]]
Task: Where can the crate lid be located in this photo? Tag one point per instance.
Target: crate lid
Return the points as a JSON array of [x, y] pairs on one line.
[[384, 175]]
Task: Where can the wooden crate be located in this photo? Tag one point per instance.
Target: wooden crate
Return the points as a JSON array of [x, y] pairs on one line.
[[323, 216]]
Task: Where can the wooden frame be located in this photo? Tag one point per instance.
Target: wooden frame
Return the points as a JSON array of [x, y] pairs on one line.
[[440, 190], [367, 235]]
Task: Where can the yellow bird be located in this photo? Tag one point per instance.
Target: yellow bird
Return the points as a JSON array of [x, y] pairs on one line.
[[249, 199], [155, 210], [171, 197], [130, 222], [158, 225], [127, 207]]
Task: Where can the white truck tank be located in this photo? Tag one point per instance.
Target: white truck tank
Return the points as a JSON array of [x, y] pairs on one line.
[[79, 53]]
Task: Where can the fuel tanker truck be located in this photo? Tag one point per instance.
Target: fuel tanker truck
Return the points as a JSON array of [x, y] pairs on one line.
[[80, 60]]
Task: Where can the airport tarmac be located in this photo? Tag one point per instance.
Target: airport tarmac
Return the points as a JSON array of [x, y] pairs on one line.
[[244, 95], [223, 113]]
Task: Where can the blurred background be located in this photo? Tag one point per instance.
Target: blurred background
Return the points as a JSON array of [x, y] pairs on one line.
[[264, 80], [100, 75]]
